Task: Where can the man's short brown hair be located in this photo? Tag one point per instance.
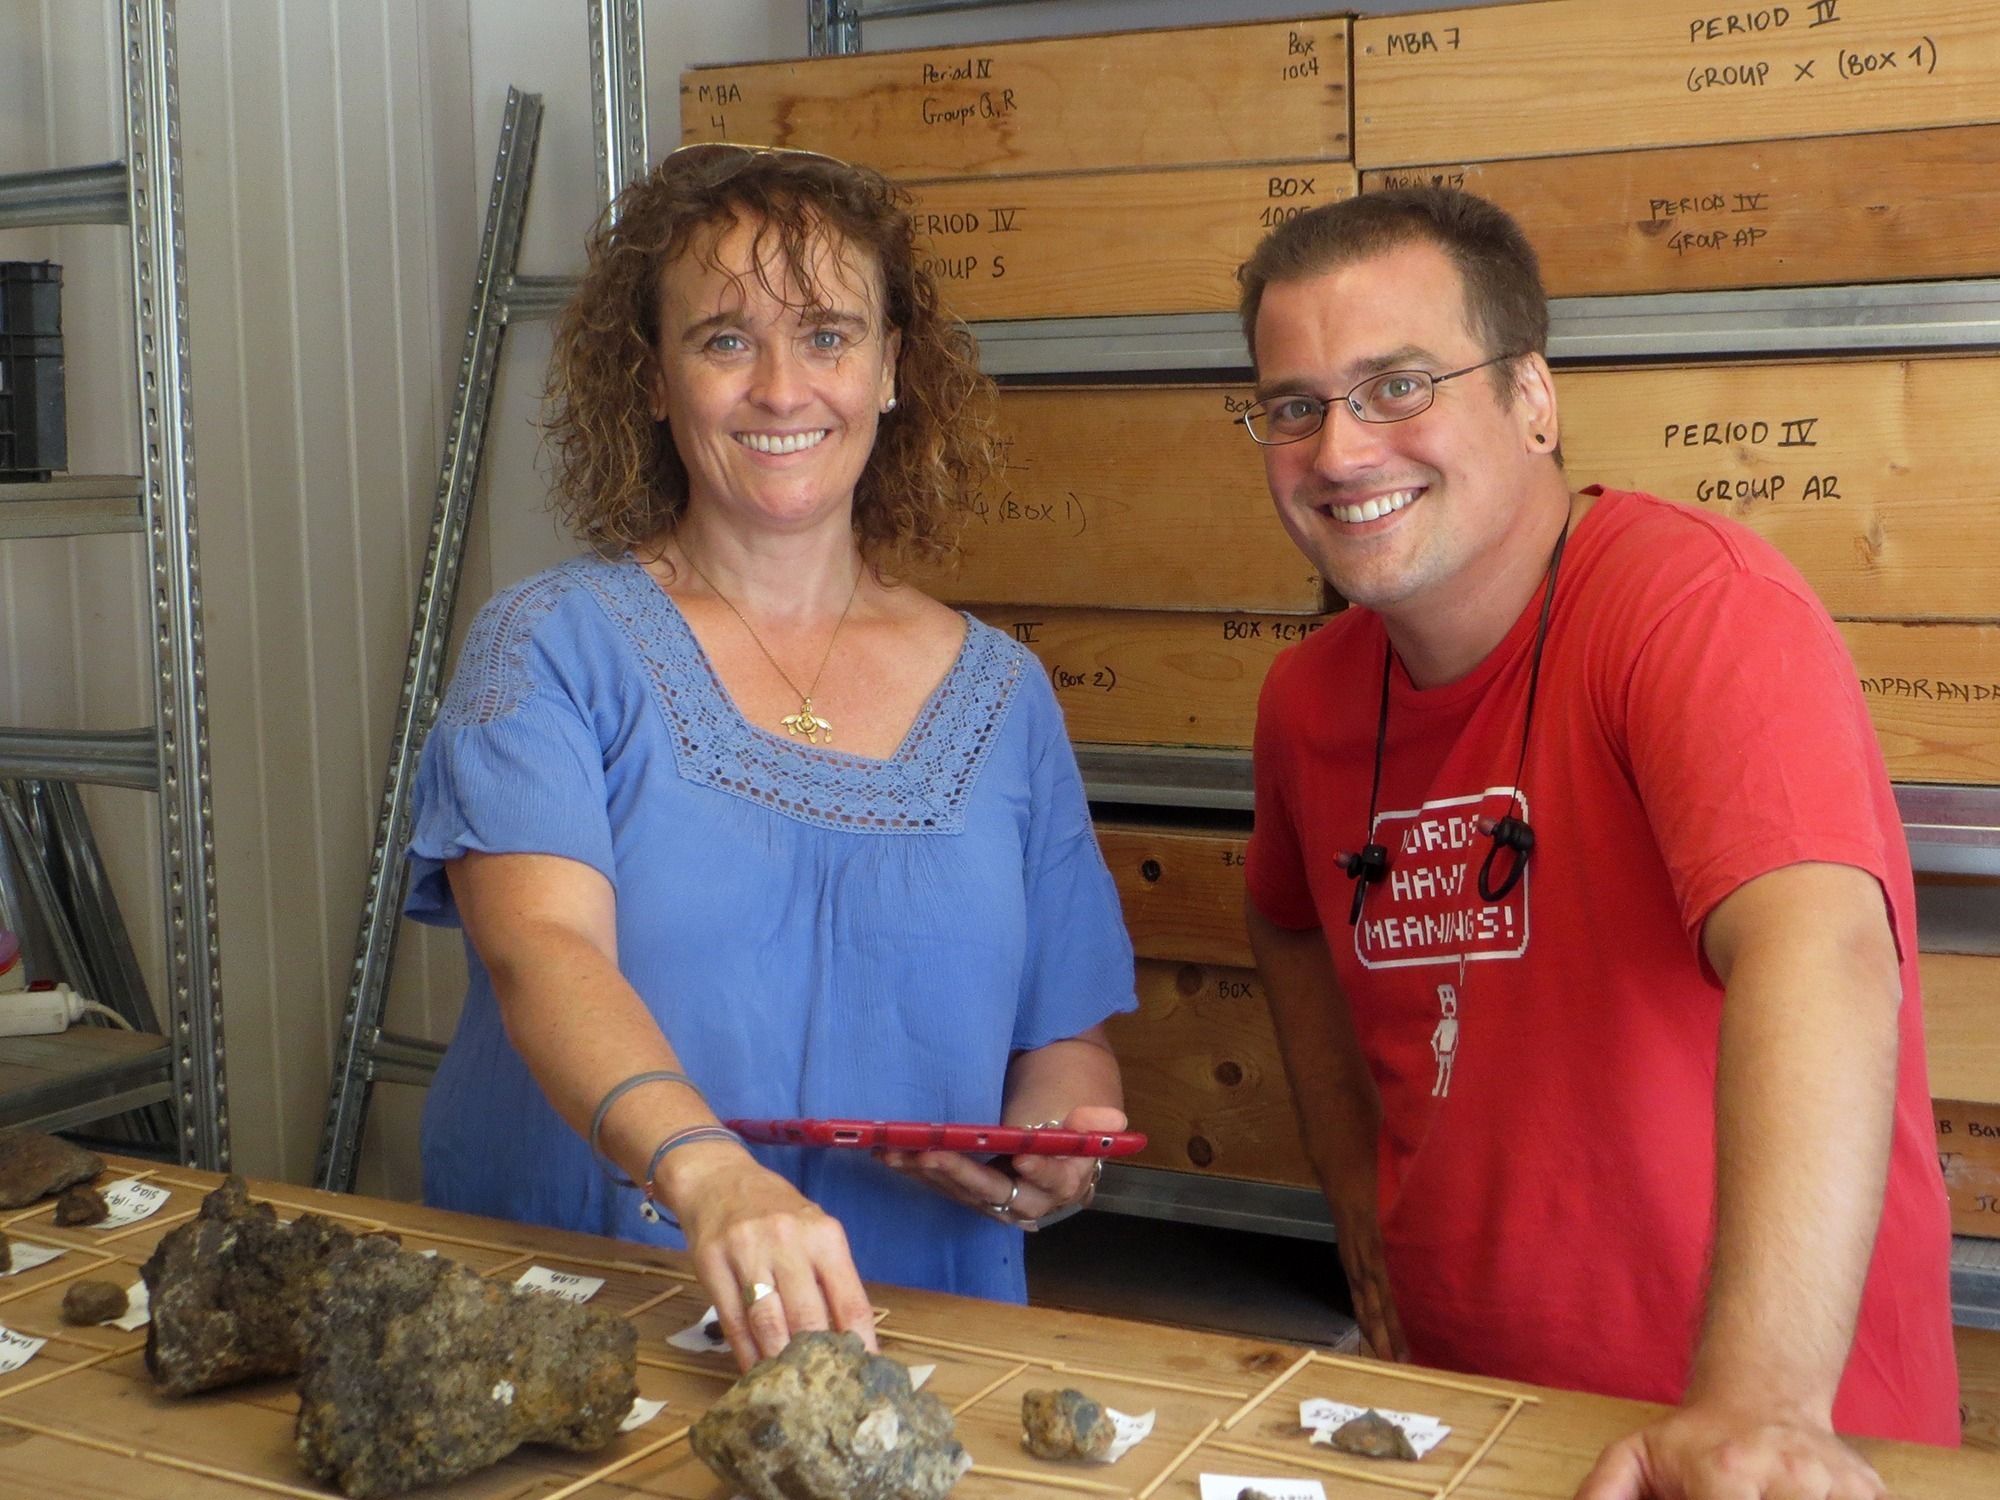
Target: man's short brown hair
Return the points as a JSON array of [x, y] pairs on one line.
[[1505, 305]]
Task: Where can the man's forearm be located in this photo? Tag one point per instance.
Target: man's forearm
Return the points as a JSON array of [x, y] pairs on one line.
[[1805, 1100], [1333, 1092]]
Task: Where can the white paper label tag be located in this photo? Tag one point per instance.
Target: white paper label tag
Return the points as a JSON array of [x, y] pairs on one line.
[[919, 1374], [1322, 1416], [696, 1339], [27, 1257], [564, 1284], [1229, 1486], [1132, 1431], [16, 1349], [130, 1201], [642, 1412], [138, 1308]]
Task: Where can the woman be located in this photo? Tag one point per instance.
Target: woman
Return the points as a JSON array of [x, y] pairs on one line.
[[736, 824]]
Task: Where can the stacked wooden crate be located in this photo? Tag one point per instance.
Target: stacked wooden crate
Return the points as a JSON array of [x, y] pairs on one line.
[[1130, 542], [1683, 147], [1665, 148]]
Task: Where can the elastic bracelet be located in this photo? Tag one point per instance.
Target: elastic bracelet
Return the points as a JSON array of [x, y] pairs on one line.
[[685, 1137], [618, 1091]]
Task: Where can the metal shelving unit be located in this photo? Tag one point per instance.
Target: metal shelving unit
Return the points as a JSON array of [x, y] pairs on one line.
[[168, 757], [368, 1054]]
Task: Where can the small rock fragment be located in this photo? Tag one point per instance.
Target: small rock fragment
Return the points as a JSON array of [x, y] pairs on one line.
[[87, 1303], [1251, 1492], [826, 1420], [33, 1165], [1066, 1424], [231, 1290], [81, 1206], [418, 1371], [1372, 1435]]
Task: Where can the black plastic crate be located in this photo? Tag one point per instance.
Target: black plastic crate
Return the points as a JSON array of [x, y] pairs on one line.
[[34, 440]]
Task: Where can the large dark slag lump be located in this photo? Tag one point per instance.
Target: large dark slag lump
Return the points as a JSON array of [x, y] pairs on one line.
[[231, 1290], [33, 1165], [420, 1371], [826, 1420]]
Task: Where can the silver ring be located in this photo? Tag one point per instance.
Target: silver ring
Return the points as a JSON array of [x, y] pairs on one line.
[[1002, 1210]]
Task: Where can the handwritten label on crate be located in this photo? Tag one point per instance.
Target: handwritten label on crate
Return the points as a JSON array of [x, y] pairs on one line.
[[1968, 1146], [131, 1200], [16, 1349], [564, 1284]]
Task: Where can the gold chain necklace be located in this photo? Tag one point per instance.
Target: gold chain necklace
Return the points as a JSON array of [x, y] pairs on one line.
[[805, 722]]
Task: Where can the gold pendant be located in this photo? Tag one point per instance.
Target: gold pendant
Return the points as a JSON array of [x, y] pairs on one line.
[[807, 723]]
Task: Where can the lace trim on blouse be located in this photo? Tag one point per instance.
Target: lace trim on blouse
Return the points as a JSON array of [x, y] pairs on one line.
[[921, 789], [492, 679]]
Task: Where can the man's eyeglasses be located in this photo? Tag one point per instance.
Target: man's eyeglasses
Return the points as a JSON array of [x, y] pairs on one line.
[[1392, 396]]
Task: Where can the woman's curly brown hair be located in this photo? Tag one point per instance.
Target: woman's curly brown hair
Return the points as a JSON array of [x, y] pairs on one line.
[[620, 482]]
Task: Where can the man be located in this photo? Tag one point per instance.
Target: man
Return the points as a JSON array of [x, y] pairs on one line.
[[1681, 1146]]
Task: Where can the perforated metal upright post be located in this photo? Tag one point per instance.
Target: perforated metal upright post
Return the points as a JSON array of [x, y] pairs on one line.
[[618, 92], [160, 331], [833, 28], [437, 591]]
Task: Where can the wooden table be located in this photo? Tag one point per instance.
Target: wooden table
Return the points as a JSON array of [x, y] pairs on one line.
[[81, 1418]]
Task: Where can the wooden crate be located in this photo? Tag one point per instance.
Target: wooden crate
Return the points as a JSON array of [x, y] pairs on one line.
[[1133, 499], [1182, 892], [1962, 1026], [1566, 76], [1895, 206], [1870, 475], [1979, 1386], [1104, 243], [1203, 1078], [1155, 677], [1933, 694], [1968, 1137], [1248, 93]]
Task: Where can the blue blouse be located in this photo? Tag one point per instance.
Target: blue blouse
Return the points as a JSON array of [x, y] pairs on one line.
[[817, 933]]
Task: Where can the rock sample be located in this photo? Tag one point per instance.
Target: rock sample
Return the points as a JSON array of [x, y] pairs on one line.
[[33, 1165], [231, 1290], [81, 1206], [1251, 1492], [1066, 1424], [87, 1303], [419, 1371], [826, 1420], [1372, 1435]]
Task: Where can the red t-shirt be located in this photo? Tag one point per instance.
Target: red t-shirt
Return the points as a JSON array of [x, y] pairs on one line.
[[1547, 1062]]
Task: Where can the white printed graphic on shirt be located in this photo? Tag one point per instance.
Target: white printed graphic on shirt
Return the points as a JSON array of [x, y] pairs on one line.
[[1427, 909], [1444, 1040]]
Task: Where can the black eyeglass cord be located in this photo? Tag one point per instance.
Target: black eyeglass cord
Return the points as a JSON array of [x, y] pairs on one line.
[[1508, 832]]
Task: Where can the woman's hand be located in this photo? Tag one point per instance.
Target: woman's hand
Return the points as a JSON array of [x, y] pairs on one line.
[[1027, 1191], [774, 1263]]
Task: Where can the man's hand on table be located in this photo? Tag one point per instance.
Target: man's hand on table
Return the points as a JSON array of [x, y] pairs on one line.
[[1716, 1452]]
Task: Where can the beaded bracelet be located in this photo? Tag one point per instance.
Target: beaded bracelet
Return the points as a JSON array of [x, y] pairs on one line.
[[618, 1091], [648, 1205]]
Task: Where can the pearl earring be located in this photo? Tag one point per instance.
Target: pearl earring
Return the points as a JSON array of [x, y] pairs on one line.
[[891, 406]]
